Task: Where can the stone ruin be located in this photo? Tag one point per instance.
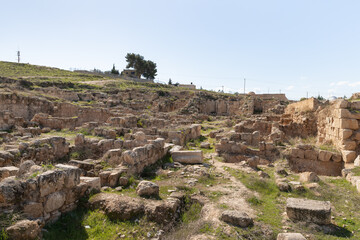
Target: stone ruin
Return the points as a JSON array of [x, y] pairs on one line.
[[55, 152]]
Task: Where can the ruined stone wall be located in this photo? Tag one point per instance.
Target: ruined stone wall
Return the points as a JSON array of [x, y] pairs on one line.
[[339, 125], [310, 104], [24, 106], [305, 158], [44, 196]]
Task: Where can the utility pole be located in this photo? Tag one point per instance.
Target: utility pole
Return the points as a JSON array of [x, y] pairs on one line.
[[18, 55], [244, 84]]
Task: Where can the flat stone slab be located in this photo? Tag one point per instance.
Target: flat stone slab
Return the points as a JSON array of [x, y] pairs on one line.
[[187, 157], [236, 218], [306, 210], [290, 236]]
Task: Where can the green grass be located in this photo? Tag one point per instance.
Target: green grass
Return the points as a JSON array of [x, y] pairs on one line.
[[192, 214], [83, 224]]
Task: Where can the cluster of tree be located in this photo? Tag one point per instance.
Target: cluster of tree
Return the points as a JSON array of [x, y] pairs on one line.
[[145, 68], [174, 84], [114, 71]]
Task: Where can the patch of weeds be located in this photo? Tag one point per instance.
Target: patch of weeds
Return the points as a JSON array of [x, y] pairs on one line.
[[85, 131], [83, 224], [223, 206], [207, 180], [34, 175], [254, 201], [192, 214], [47, 166], [105, 165], [214, 195], [356, 171], [206, 228], [3, 235], [328, 147]]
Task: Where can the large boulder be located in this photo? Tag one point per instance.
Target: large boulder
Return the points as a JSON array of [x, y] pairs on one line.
[[147, 189], [24, 230]]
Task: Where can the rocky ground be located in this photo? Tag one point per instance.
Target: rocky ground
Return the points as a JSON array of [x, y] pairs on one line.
[[84, 156]]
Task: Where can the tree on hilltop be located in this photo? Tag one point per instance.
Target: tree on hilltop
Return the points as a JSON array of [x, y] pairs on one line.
[[141, 66]]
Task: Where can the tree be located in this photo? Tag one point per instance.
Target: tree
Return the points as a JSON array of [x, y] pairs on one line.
[[170, 82], [114, 71], [141, 66], [150, 70]]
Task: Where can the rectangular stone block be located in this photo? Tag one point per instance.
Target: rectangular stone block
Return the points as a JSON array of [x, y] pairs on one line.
[[349, 145], [348, 156], [311, 154], [187, 157], [345, 133], [305, 210], [349, 124], [297, 153]]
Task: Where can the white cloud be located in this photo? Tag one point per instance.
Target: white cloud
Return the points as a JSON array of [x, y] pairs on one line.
[[354, 84], [332, 84], [341, 83], [289, 88]]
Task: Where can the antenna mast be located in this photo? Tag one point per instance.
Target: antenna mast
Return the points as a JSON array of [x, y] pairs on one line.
[[18, 55]]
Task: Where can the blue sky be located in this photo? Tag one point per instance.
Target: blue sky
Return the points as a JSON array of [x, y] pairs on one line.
[[293, 46]]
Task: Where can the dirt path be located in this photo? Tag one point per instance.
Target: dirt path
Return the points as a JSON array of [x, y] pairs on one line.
[[233, 197]]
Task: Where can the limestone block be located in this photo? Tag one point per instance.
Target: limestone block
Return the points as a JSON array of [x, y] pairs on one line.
[[8, 171], [54, 201], [311, 154], [355, 105], [345, 133], [290, 236], [51, 181], [147, 188], [349, 124], [297, 153], [336, 157], [349, 145], [104, 178], [113, 157], [309, 177], [91, 182], [236, 218], [114, 178], [72, 176], [187, 157], [24, 230], [341, 103], [357, 161], [348, 156], [33, 210], [357, 136], [306, 210], [325, 155]]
